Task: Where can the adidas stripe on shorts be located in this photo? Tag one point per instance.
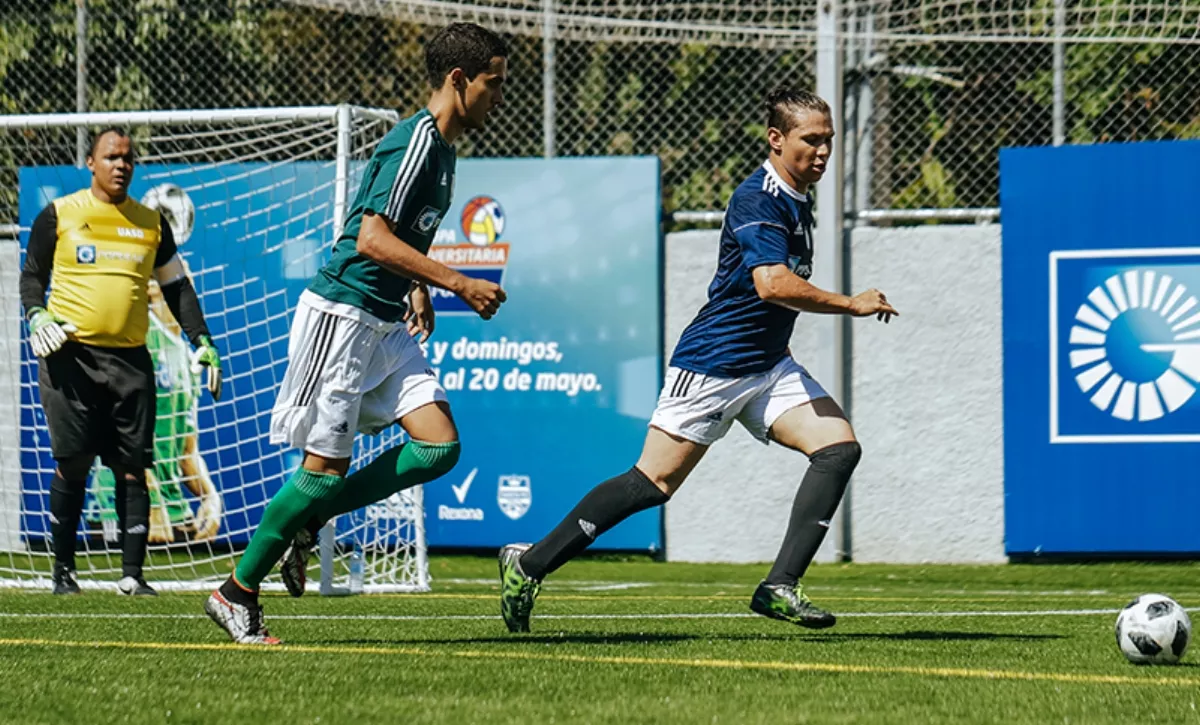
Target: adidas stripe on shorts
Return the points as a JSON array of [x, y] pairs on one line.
[[701, 408], [348, 372]]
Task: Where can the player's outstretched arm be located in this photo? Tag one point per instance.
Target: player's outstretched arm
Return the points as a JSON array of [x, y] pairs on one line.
[[777, 284], [377, 242]]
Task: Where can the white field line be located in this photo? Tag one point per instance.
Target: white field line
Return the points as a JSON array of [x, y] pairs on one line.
[[601, 585], [488, 617]]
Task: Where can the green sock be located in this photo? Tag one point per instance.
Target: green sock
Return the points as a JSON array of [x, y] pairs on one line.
[[303, 495], [396, 469]]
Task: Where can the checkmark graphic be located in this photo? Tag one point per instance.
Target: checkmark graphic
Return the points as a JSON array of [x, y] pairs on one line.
[[460, 491]]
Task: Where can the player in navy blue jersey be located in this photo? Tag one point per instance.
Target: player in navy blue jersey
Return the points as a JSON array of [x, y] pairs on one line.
[[732, 363]]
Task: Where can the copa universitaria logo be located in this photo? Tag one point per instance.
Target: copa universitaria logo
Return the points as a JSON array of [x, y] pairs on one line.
[[483, 254], [1134, 345]]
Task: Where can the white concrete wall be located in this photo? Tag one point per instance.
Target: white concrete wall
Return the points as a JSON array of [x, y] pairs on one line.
[[927, 397], [925, 400]]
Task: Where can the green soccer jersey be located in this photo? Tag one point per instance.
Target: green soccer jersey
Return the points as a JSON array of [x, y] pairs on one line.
[[409, 180]]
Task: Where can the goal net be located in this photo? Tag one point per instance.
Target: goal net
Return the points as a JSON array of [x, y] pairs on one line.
[[255, 198]]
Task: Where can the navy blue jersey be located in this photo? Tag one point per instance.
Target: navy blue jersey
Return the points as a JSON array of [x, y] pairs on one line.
[[736, 333]]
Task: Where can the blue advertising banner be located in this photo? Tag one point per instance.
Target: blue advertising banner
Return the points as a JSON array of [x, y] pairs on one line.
[[1101, 275], [551, 396]]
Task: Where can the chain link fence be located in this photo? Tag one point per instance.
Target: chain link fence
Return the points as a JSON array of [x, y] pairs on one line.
[[933, 88]]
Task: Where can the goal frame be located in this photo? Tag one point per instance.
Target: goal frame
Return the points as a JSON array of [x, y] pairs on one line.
[[341, 119]]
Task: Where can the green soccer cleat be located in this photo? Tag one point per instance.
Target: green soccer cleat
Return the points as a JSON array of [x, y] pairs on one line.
[[779, 601], [517, 590]]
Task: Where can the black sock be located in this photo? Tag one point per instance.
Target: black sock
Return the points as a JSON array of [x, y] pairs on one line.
[[820, 493], [234, 593], [314, 526], [604, 507], [66, 506], [133, 516]]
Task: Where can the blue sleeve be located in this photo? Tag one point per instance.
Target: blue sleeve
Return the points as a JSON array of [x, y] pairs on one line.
[[761, 227]]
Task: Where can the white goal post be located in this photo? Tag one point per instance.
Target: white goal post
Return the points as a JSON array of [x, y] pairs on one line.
[[256, 197]]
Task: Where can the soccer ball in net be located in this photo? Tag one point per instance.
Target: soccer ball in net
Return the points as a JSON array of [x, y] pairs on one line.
[[1153, 629], [175, 206], [482, 221]]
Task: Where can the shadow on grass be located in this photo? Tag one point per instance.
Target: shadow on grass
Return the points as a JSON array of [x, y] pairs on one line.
[[927, 635], [625, 638], [615, 638]]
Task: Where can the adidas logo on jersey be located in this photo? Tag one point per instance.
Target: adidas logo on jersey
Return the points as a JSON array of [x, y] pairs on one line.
[[715, 417], [341, 428], [588, 528]]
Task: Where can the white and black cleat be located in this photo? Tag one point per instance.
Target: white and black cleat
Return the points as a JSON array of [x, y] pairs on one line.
[[294, 567], [135, 586], [243, 623]]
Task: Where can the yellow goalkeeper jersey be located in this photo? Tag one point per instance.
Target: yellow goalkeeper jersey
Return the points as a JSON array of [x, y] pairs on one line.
[[104, 255]]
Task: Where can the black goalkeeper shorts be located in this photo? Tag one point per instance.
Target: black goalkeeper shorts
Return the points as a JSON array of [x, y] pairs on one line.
[[100, 401]]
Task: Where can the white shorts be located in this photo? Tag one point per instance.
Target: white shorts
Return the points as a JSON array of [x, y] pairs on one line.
[[701, 408], [348, 372]]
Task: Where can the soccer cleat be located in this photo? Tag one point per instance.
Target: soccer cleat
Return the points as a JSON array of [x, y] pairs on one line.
[[243, 624], [779, 601], [294, 567], [135, 586], [64, 580], [517, 590]]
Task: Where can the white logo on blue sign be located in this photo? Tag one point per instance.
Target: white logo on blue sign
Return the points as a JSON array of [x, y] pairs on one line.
[[1125, 346], [85, 254], [514, 496]]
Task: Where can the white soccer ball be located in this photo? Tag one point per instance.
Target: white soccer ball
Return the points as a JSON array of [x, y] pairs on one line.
[[175, 206], [1153, 629]]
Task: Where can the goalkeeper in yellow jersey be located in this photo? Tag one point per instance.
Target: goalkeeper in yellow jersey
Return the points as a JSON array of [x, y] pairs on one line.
[[96, 378]]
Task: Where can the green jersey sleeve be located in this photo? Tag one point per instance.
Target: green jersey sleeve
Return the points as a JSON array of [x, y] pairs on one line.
[[400, 173]]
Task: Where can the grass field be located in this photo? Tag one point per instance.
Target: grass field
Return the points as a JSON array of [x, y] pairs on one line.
[[619, 642]]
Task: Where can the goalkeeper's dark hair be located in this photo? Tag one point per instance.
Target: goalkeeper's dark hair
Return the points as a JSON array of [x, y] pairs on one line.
[[783, 103], [462, 45], [120, 132]]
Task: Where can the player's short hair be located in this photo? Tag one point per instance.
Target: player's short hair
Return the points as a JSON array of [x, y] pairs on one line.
[[120, 132], [784, 101], [462, 45]]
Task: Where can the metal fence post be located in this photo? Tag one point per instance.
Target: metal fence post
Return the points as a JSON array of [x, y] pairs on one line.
[[81, 100], [828, 262], [1060, 19], [548, 78]]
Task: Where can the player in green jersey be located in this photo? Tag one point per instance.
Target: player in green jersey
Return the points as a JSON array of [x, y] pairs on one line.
[[353, 363]]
